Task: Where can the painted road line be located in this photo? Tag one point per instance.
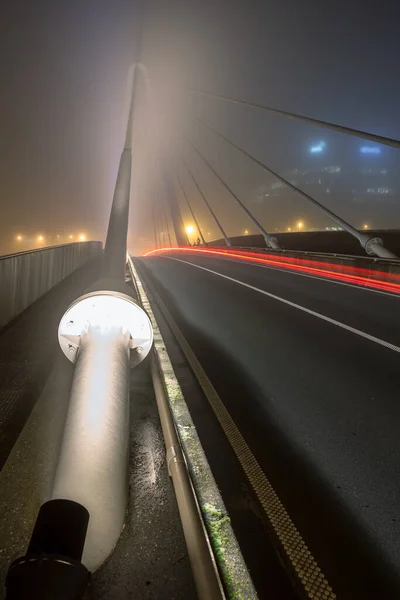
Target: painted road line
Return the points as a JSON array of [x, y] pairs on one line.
[[289, 271], [283, 263], [296, 552], [358, 332]]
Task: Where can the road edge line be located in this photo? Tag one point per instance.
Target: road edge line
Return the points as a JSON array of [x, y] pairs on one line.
[[305, 567]]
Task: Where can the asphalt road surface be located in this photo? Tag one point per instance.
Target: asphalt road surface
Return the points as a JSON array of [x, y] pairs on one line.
[[309, 370]]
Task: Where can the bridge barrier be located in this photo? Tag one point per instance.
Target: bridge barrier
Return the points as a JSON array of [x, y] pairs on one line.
[[329, 242], [26, 276], [184, 450], [368, 267]]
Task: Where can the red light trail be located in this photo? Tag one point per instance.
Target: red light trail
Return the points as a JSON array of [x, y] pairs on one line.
[[307, 266]]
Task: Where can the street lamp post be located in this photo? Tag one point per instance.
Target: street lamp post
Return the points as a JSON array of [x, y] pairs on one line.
[[103, 333]]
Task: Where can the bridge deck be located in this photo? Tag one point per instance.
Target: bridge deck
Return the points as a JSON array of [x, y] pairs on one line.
[[307, 368]]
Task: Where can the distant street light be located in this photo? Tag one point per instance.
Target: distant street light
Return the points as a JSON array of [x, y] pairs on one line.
[[318, 147], [246, 232], [19, 238], [289, 229], [300, 225], [40, 238], [365, 226], [189, 229], [70, 237], [82, 238]]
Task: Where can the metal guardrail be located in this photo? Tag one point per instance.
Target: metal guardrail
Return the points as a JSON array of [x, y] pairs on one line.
[[367, 266], [26, 276], [205, 575], [315, 254], [200, 504], [207, 581]]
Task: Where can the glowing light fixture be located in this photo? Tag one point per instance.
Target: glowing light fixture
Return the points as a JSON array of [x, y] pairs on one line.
[[318, 147], [82, 237], [300, 225], [370, 150], [189, 229], [19, 238], [40, 238], [365, 226]]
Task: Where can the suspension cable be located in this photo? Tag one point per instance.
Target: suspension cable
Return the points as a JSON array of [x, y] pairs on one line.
[[283, 113], [371, 245], [155, 228], [227, 240], [270, 240], [164, 210], [159, 223], [190, 208]]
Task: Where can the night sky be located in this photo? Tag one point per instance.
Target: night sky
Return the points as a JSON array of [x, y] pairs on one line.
[[62, 102]]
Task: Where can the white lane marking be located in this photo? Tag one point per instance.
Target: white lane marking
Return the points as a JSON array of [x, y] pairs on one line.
[[367, 336], [324, 278]]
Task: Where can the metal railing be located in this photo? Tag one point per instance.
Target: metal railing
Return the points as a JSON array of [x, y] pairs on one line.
[[26, 276], [192, 478]]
